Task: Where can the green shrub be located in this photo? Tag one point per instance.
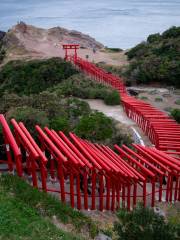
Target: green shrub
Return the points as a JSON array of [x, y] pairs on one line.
[[157, 59], [33, 76], [144, 98], [175, 113], [60, 124], [112, 98], [95, 127], [158, 99], [122, 138], [143, 224], [82, 87], [77, 108], [29, 116], [113, 50], [177, 102]]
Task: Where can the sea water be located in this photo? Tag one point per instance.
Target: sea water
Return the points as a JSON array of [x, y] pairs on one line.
[[115, 23]]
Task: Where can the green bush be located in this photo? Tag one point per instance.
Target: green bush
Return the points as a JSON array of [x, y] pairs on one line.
[[80, 86], [158, 99], [77, 108], [113, 50], [122, 138], [143, 224], [95, 127], [29, 116], [144, 98], [60, 124], [175, 113], [157, 59], [177, 102], [33, 76], [112, 98]]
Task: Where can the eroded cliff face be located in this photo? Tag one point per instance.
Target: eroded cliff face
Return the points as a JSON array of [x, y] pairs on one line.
[[26, 40]]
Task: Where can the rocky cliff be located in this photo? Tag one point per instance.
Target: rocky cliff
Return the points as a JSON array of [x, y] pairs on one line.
[[26, 40]]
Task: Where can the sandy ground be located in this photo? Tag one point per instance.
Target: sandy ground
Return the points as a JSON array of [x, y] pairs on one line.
[[49, 49], [117, 113], [162, 98]]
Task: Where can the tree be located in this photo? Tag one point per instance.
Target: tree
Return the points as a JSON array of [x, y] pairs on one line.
[[143, 224], [95, 127]]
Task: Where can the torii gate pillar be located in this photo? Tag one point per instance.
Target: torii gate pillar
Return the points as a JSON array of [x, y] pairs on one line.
[[68, 47]]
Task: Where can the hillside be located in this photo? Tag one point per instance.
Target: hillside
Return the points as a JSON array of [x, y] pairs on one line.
[[29, 214], [49, 92], [156, 60], [24, 41]]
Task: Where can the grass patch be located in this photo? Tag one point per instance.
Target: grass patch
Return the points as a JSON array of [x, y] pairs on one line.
[[158, 99], [38, 206], [144, 98], [177, 102]]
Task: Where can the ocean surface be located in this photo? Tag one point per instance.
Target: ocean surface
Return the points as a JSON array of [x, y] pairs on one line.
[[115, 23]]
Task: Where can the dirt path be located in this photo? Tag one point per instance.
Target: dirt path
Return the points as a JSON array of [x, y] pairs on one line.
[[117, 113]]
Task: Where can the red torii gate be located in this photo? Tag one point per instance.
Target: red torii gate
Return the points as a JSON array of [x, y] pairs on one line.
[[117, 179], [68, 47]]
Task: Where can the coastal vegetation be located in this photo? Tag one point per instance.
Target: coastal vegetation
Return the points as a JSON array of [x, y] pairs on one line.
[[175, 113], [49, 92], [27, 213], [156, 60], [144, 224], [2, 49]]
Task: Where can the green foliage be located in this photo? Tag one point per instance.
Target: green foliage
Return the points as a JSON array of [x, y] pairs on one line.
[[33, 203], [80, 86], [154, 38], [177, 102], [2, 52], [157, 60], [55, 107], [29, 116], [158, 99], [121, 138], [77, 108], [113, 50], [95, 127], [33, 76], [144, 98], [60, 124], [112, 98], [143, 224], [175, 113]]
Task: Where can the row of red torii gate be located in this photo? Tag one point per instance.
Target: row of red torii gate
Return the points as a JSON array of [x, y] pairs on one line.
[[93, 176]]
